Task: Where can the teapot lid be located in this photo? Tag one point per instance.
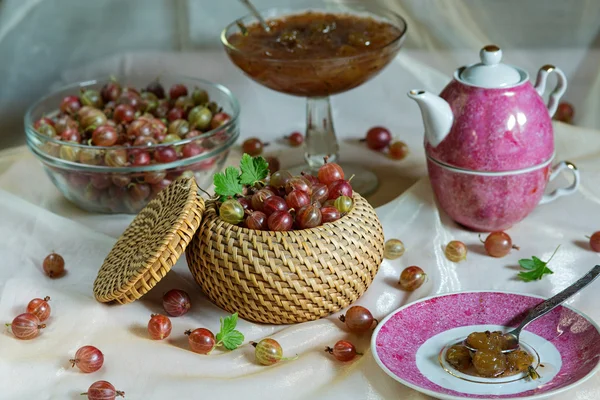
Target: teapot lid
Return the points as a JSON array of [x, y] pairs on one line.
[[490, 72]]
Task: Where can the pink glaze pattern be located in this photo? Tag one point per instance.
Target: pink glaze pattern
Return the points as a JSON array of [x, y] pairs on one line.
[[487, 203], [500, 129], [399, 336]]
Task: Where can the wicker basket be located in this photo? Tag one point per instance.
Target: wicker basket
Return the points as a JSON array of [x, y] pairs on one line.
[[287, 277]]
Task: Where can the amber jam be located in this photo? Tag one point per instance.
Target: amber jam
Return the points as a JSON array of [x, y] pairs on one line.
[[488, 360], [315, 54]]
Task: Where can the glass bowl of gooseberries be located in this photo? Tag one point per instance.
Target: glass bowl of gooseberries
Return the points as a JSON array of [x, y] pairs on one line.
[[111, 144]]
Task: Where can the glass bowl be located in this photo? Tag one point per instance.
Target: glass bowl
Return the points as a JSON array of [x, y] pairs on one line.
[[103, 179]]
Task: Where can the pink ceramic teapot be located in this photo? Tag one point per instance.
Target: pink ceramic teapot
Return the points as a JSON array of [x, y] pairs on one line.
[[490, 144]]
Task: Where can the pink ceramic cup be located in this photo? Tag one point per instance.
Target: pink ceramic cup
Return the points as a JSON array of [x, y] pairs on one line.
[[494, 201]]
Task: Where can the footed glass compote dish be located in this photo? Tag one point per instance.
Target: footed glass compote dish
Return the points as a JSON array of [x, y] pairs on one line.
[[317, 52]]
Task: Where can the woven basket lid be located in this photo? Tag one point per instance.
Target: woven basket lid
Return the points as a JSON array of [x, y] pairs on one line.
[[151, 244]]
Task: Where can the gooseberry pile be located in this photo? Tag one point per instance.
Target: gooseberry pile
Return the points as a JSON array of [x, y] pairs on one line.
[[280, 201], [122, 127], [126, 116]]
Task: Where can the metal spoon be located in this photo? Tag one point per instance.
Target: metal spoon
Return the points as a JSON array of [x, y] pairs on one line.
[[256, 14], [512, 337]]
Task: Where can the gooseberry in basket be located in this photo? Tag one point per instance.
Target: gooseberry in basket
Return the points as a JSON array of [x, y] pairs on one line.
[[231, 211], [330, 172], [339, 188], [309, 216], [257, 220], [297, 199], [280, 221], [330, 214], [274, 164], [320, 193]]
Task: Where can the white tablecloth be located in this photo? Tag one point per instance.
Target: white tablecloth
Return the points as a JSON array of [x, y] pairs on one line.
[[35, 220]]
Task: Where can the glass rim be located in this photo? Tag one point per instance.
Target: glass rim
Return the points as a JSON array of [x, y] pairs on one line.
[[31, 131], [361, 7]]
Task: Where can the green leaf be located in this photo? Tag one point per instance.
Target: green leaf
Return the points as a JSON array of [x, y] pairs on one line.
[[535, 267], [229, 337], [538, 263], [253, 169], [227, 184], [527, 264], [233, 340]]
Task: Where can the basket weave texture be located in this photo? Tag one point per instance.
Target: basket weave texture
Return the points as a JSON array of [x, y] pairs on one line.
[[287, 277], [151, 245]]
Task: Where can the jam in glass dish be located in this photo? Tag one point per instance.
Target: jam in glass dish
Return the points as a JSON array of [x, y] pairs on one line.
[[316, 53]]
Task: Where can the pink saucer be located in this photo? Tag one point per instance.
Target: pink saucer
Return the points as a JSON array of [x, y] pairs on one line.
[[407, 344]]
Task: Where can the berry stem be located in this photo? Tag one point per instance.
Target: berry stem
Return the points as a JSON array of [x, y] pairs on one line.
[[73, 362], [290, 358], [254, 344], [343, 318], [514, 246]]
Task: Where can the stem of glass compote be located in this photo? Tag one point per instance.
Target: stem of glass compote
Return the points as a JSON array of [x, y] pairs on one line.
[[320, 135]]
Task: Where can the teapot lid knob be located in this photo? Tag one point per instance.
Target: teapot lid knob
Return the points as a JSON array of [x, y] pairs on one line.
[[490, 55], [490, 72]]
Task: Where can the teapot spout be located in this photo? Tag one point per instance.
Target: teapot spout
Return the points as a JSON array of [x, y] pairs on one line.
[[436, 113]]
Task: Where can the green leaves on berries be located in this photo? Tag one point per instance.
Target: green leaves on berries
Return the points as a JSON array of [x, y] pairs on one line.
[[227, 184], [254, 169], [230, 183]]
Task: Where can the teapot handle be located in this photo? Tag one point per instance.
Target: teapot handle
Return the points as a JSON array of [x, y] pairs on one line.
[[559, 90]]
